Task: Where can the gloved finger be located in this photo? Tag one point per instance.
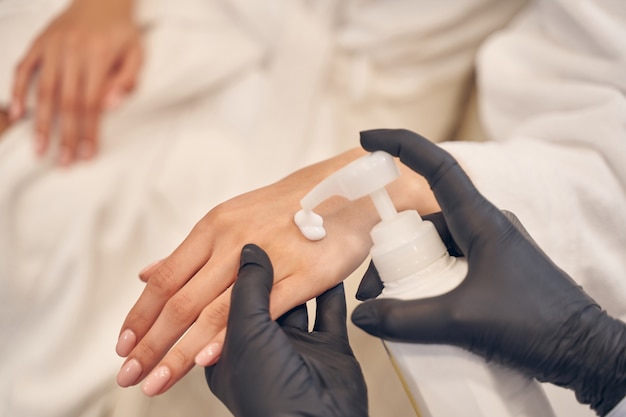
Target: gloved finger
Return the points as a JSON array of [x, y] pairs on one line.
[[424, 321], [250, 297], [297, 318], [371, 286], [439, 221], [331, 312], [465, 209]]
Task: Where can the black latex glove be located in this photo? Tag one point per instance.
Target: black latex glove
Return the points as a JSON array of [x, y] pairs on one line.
[[270, 368], [514, 307]]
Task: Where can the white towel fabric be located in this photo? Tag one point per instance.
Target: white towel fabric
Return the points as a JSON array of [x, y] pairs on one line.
[[235, 94]]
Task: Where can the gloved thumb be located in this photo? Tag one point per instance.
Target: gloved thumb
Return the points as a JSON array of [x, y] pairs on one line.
[[250, 295], [370, 286], [415, 321]]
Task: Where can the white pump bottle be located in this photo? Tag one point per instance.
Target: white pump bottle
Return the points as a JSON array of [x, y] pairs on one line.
[[413, 263]]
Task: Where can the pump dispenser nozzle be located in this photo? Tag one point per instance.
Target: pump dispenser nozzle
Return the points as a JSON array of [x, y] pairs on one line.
[[403, 243], [367, 175]]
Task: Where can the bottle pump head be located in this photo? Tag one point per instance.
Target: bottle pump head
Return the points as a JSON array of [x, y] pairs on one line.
[[403, 243]]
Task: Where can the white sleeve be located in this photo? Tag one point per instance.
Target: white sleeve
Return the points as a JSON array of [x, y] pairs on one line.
[[553, 100]]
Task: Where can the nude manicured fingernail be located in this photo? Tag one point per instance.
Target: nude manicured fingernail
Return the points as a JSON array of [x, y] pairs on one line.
[[125, 343], [129, 373], [156, 381], [208, 356]]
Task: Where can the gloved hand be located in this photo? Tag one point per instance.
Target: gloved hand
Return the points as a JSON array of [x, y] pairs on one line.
[[515, 307], [270, 368]]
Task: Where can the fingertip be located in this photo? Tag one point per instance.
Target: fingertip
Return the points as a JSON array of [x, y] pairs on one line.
[[371, 285], [251, 254], [251, 291], [365, 316], [209, 355], [388, 140], [332, 311]]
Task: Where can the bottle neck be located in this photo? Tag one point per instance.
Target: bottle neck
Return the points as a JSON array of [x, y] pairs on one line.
[[443, 275], [405, 245]]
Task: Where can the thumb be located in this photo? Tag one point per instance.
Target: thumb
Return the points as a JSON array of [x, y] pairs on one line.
[[371, 286], [251, 291], [249, 315], [415, 321]]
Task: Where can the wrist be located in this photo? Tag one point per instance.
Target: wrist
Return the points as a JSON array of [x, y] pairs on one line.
[[595, 355]]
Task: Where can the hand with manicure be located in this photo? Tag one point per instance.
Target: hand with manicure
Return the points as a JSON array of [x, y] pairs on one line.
[[180, 318], [86, 60]]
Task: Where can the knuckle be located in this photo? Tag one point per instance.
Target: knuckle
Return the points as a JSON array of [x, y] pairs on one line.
[[215, 317], [220, 217], [146, 351], [181, 307], [163, 280], [179, 358]]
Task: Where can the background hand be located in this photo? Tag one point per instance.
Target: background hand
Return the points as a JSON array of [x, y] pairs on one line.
[[270, 368], [86, 59], [515, 306]]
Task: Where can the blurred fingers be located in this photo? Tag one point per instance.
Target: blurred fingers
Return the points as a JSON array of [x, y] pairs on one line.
[[24, 73], [70, 106]]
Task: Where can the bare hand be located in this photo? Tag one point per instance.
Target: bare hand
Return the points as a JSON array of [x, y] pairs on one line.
[[88, 57], [189, 291]]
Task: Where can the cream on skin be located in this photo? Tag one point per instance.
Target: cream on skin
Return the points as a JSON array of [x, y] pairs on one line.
[[367, 175], [311, 224]]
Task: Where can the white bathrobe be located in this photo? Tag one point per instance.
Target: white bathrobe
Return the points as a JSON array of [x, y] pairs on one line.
[[234, 95]]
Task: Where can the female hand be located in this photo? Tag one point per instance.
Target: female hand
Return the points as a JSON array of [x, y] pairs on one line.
[[86, 59], [188, 292]]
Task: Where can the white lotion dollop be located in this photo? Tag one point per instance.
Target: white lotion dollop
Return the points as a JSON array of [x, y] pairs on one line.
[[311, 224]]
